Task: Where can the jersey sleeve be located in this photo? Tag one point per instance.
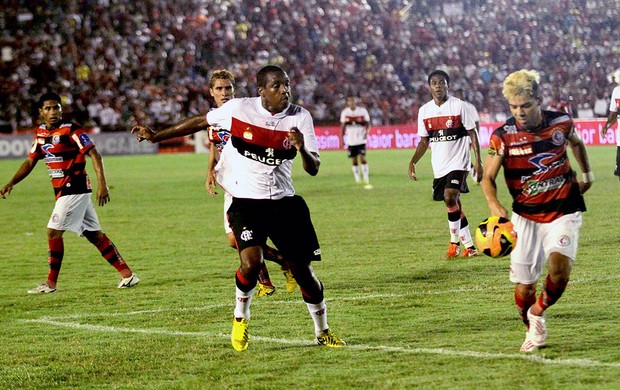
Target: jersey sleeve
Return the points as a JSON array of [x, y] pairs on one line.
[[81, 139], [468, 120], [343, 116], [496, 144], [614, 104], [35, 150], [366, 116], [222, 116], [306, 126], [421, 127]]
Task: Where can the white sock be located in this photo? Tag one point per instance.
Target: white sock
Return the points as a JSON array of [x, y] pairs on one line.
[[455, 228], [465, 237], [356, 173], [365, 172], [242, 303], [318, 312]]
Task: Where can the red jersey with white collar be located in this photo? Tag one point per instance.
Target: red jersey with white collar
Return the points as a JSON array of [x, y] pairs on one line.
[[256, 163], [63, 150]]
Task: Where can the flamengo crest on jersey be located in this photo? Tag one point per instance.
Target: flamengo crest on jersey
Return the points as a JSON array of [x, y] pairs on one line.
[[537, 168], [63, 150], [257, 162]]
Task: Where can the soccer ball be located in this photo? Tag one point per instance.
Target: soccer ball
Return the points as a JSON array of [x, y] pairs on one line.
[[496, 237]]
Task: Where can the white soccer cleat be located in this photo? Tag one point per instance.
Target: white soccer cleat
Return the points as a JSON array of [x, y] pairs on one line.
[[129, 282], [538, 328], [536, 336], [43, 288]]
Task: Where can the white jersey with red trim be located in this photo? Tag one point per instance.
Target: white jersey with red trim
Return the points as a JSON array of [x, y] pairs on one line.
[[446, 127], [614, 106], [256, 163], [355, 125]]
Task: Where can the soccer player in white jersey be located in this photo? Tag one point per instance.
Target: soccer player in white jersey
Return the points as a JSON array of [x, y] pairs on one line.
[[267, 132], [614, 107], [355, 122], [222, 89], [445, 125]]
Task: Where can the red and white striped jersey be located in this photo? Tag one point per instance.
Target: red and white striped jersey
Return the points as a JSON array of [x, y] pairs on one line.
[[537, 168], [63, 150]]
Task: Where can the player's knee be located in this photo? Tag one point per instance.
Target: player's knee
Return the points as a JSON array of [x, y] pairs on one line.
[[93, 236]]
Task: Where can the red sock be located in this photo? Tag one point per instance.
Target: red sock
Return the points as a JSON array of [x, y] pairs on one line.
[[551, 292], [109, 252], [523, 304], [55, 255]]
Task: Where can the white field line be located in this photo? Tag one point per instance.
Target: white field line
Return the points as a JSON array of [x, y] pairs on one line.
[[57, 321], [467, 289], [360, 347]]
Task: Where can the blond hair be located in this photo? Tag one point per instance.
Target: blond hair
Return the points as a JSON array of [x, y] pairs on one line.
[[521, 83], [221, 74]]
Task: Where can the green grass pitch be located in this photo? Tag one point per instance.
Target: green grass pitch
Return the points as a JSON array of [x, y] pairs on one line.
[[411, 318]]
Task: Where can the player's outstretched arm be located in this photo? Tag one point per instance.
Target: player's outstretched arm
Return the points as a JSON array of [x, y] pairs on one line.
[[185, 127], [23, 171]]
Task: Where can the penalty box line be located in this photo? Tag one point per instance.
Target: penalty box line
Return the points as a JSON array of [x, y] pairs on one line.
[[357, 347]]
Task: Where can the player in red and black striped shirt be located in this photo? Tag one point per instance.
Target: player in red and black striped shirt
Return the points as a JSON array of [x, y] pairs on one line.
[[547, 197], [63, 147]]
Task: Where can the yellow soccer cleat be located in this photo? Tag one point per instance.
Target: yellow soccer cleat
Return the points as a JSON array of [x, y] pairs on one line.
[[329, 339], [264, 290], [291, 283], [239, 336]]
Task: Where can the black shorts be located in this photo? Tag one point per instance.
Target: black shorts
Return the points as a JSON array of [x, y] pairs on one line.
[[454, 179], [357, 150], [617, 170], [285, 221]]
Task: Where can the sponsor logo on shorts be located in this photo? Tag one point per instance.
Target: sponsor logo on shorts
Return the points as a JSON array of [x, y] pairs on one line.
[[55, 218], [455, 181], [317, 252], [564, 240], [247, 235]]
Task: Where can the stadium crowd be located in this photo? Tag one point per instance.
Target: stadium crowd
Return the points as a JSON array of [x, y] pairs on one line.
[[119, 62]]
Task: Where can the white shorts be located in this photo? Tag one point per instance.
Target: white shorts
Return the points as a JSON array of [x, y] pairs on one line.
[[227, 202], [536, 241], [75, 213]]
